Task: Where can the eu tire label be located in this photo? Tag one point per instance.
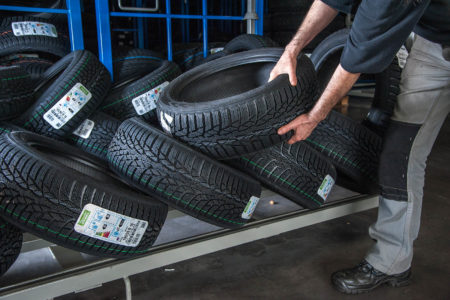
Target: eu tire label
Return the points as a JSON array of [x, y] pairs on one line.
[[102, 224], [250, 208], [325, 187], [147, 102], [34, 28], [85, 129]]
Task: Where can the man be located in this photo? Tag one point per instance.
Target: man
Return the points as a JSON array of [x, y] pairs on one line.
[[379, 29]]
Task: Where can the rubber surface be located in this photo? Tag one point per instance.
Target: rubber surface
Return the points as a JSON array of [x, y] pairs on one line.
[[132, 63], [352, 148], [173, 173], [16, 91], [97, 143], [119, 102], [192, 55], [35, 66], [245, 42], [226, 108], [295, 171], [11, 44], [77, 67], [46, 184], [10, 245]]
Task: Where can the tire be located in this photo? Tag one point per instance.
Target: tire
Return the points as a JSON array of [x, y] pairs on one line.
[[189, 181], [6, 127], [79, 67], [132, 63], [10, 43], [97, 141], [16, 92], [352, 148], [47, 186], [245, 42], [192, 57], [35, 66], [10, 245], [295, 171], [326, 58], [120, 101], [218, 110]]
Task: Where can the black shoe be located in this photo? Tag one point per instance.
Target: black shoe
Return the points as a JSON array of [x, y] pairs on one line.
[[365, 278]]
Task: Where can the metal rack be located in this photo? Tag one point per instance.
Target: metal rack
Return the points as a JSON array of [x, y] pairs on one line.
[[253, 16], [74, 20]]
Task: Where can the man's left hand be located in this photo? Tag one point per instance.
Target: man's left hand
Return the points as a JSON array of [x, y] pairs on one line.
[[303, 125]]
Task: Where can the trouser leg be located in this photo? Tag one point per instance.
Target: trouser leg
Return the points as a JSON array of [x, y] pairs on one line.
[[423, 105]]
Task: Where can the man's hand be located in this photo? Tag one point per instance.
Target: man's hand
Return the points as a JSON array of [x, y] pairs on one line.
[[303, 125], [287, 64]]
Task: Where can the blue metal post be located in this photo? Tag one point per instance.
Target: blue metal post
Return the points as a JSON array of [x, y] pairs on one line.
[[104, 34], [188, 31], [75, 24], [140, 27], [260, 12], [169, 30], [205, 27]]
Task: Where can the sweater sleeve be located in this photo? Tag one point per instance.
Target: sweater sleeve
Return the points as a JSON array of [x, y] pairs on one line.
[[344, 6], [378, 31]]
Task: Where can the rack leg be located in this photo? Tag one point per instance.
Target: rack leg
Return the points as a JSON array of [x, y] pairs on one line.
[[75, 24]]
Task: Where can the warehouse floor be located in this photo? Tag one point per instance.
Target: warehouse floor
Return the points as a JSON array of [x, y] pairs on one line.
[[298, 264]]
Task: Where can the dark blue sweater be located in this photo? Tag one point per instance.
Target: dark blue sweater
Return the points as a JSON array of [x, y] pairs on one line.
[[380, 28]]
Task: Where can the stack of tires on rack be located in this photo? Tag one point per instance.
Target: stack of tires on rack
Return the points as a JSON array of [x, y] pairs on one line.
[[93, 164]]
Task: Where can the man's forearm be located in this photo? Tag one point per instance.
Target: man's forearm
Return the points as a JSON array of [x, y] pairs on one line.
[[317, 18], [339, 85]]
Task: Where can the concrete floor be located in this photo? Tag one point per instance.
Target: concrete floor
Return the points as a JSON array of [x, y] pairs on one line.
[[298, 264]]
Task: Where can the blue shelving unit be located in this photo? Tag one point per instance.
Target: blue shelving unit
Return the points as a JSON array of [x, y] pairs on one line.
[[73, 13], [103, 15]]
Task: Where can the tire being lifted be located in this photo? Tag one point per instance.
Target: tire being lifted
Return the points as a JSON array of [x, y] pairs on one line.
[[156, 164], [63, 195], [296, 171], [10, 245], [226, 107]]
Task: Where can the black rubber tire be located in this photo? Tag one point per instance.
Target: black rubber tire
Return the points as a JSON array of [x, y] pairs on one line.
[[119, 103], [35, 66], [46, 184], [245, 42], [226, 108], [132, 63], [326, 58], [97, 143], [16, 92], [11, 44], [295, 171], [173, 173], [193, 56], [10, 245], [6, 127], [77, 67], [352, 148]]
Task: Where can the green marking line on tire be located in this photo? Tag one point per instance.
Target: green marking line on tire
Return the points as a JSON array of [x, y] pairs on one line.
[[17, 77], [344, 158], [89, 145], [5, 130], [173, 196], [139, 91], [66, 236], [60, 92], [282, 179]]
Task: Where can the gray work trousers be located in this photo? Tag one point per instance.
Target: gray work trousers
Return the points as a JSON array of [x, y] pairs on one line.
[[424, 102]]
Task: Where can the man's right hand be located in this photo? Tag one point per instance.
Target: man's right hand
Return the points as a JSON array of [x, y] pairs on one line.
[[287, 64]]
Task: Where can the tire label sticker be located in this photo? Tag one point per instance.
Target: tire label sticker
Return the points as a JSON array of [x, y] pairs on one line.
[[85, 129], [34, 28], [147, 102], [102, 224], [68, 106], [166, 120], [402, 55], [250, 208], [325, 187], [215, 50]]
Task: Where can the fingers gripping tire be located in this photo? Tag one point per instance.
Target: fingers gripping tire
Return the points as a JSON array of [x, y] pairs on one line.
[[10, 245], [295, 171], [16, 92], [352, 148], [17, 35], [139, 97], [226, 108], [70, 91], [52, 190], [95, 133], [181, 177]]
